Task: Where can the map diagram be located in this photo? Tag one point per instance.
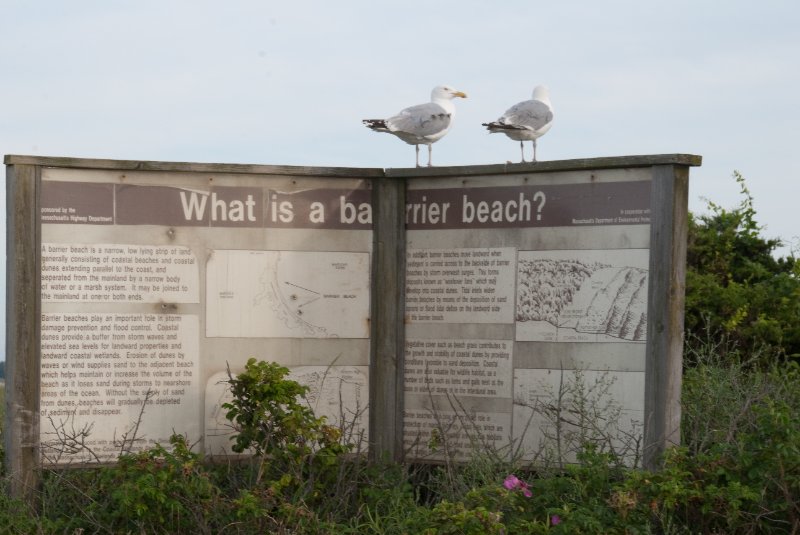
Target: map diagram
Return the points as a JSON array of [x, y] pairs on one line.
[[582, 296], [341, 395], [617, 397], [287, 294]]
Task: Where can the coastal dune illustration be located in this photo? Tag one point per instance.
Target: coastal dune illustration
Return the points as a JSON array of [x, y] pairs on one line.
[[575, 300]]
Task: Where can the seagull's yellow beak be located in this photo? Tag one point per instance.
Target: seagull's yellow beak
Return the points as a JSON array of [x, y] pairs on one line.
[[460, 94]]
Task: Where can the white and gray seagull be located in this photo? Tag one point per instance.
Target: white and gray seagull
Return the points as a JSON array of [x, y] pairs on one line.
[[423, 124], [527, 120]]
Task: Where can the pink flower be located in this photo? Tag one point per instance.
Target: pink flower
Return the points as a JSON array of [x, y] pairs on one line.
[[512, 482], [555, 520]]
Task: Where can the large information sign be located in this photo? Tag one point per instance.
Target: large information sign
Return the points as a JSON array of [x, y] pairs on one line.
[[433, 313], [518, 294], [154, 285]]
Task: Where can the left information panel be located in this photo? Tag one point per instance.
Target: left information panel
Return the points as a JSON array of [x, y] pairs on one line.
[[137, 327]]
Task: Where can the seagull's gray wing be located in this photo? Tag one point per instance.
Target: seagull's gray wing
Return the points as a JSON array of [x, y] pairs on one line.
[[532, 114], [421, 121]]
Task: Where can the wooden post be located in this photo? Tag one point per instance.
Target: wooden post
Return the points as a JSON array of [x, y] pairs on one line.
[[387, 348], [664, 360], [22, 330]]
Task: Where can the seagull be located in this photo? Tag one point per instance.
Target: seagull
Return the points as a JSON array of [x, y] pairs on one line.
[[527, 120], [423, 124]]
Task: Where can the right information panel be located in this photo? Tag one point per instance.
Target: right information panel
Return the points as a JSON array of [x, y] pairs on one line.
[[526, 314]]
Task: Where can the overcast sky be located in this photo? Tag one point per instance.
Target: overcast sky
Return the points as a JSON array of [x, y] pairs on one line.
[[288, 83]]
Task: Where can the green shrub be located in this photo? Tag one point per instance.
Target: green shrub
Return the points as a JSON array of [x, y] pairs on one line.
[[722, 389], [456, 519], [741, 430], [387, 501], [267, 410], [15, 516], [154, 491], [295, 454], [734, 285], [768, 459], [587, 497], [750, 486]]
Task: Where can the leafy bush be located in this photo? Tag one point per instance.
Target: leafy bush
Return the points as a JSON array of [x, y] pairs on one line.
[[268, 412], [295, 454], [734, 285], [722, 389], [741, 430], [750, 486], [154, 491], [16, 518], [388, 501]]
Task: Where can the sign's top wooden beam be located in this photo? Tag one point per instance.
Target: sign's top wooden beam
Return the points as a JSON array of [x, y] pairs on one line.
[[192, 167], [614, 162], [583, 164]]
